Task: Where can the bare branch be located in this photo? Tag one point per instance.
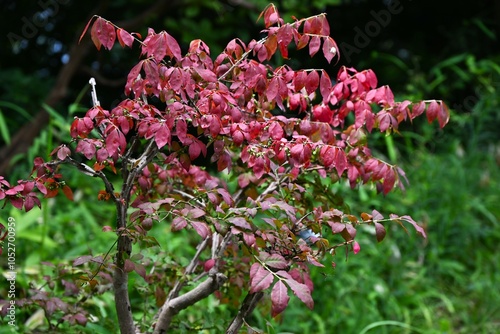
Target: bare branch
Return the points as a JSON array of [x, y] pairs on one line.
[[181, 282], [214, 281], [247, 307]]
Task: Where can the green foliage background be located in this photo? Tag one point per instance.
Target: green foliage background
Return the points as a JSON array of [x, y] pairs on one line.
[[446, 284]]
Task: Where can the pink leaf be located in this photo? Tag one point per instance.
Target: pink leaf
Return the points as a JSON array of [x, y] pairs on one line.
[[240, 222], [279, 298], [260, 278], [417, 227], [201, 228], [103, 33], [314, 45], [432, 111], [206, 75], [275, 261], [389, 180], [312, 82], [196, 213], [139, 268], [301, 291], [162, 136], [178, 223], [443, 114], [82, 260], [124, 38], [325, 86], [330, 48], [173, 47]]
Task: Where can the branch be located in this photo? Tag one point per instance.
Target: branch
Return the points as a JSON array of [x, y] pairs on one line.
[[181, 282], [243, 57], [214, 281], [90, 172], [247, 307]]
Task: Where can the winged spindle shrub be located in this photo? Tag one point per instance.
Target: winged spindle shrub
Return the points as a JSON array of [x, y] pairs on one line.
[[274, 221]]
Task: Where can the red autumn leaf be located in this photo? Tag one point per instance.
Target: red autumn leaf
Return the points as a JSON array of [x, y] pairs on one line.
[[201, 228], [299, 80], [224, 162], [417, 227], [196, 213], [379, 231], [129, 266], [432, 111], [275, 261], [196, 148], [139, 269], [82, 260], [312, 82], [152, 75], [41, 187], [312, 26], [206, 75], [340, 161], [324, 26], [67, 192], [259, 168], [330, 48], [327, 155], [301, 291], [336, 227], [174, 50], [132, 77], [17, 202], [86, 148], [350, 230], [103, 33], [389, 180], [226, 196], [260, 278], [115, 142], [285, 35], [29, 203], [325, 86], [178, 223], [270, 14], [314, 45], [162, 136], [124, 38], [271, 45], [276, 131], [443, 114], [86, 28], [155, 45], [303, 41], [63, 152], [418, 109], [249, 239], [240, 222], [272, 89], [279, 298]]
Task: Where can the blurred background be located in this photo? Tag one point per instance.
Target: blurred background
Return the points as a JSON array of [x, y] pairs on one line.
[[423, 49]]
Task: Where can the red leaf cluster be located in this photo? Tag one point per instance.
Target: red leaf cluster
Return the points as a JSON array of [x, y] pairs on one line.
[[273, 133]]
